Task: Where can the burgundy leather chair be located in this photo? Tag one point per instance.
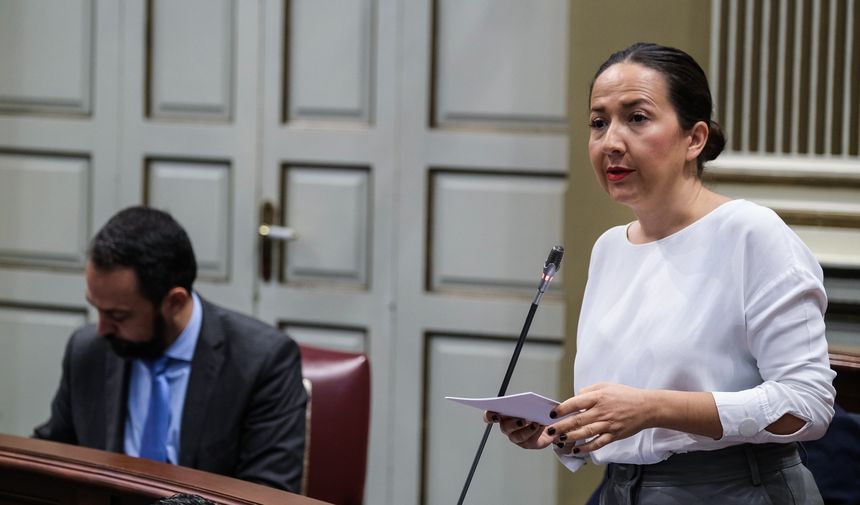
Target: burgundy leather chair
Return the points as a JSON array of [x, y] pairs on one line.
[[338, 419]]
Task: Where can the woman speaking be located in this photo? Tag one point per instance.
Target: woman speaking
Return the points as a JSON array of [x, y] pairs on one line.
[[701, 357]]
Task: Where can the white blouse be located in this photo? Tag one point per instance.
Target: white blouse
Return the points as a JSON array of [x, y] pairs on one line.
[[732, 304]]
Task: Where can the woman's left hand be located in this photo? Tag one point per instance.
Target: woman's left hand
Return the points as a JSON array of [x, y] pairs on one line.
[[607, 412]]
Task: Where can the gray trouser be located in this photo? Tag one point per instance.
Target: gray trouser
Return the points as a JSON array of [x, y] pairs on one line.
[[749, 474]]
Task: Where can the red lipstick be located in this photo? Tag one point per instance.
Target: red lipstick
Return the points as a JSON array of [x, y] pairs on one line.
[[615, 174]]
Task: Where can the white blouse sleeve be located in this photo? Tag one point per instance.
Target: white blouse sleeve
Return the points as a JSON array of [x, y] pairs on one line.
[[785, 333]]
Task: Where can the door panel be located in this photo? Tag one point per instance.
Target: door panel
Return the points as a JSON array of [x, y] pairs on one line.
[[330, 49], [168, 186], [46, 51], [483, 227], [29, 336], [51, 193], [190, 66], [471, 367], [328, 208], [331, 337], [499, 64]]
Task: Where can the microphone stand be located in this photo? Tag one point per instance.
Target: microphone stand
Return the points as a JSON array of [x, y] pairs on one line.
[[552, 265]]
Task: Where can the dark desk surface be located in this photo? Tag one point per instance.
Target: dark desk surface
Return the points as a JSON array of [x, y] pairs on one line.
[[38, 471]]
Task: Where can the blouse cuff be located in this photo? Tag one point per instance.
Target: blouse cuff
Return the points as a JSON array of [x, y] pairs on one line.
[[573, 463], [743, 414]]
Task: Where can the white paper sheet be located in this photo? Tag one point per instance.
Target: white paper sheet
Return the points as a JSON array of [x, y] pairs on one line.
[[529, 406]]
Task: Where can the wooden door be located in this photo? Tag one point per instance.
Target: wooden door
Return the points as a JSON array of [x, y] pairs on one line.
[[416, 148]]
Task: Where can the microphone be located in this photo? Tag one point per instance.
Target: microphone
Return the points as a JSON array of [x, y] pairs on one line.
[[550, 268]]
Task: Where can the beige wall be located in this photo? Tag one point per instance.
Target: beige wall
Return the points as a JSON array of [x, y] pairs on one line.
[[598, 28]]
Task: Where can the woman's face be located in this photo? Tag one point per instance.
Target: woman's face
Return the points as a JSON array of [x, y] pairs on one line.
[[639, 152]]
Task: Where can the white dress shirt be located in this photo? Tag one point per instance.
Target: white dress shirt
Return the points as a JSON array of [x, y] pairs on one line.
[[732, 304]]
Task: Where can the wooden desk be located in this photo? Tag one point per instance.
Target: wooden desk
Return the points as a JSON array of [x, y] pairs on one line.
[[41, 472]]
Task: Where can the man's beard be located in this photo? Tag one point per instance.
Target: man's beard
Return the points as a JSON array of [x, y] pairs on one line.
[[151, 349]]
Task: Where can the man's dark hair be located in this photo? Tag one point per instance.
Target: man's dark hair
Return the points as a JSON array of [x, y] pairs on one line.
[[184, 499], [150, 242]]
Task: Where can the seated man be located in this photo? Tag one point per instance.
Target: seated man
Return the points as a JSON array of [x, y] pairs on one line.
[[169, 376]]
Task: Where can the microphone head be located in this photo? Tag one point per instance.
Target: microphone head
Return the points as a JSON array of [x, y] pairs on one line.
[[554, 257], [550, 268]]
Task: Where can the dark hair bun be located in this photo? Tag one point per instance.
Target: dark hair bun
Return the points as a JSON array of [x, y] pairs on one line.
[[716, 142]]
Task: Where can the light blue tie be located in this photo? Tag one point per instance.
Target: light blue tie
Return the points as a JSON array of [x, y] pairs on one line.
[[153, 442]]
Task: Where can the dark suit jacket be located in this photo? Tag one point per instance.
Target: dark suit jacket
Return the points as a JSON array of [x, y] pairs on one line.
[[244, 413]]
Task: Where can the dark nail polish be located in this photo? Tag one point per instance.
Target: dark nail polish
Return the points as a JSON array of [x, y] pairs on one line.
[[553, 414], [532, 427], [520, 423], [561, 446], [563, 438], [551, 431], [576, 450]]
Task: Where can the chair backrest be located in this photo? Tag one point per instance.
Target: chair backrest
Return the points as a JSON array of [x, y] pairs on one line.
[[338, 422]]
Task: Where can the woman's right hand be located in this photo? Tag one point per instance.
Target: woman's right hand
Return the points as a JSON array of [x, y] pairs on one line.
[[526, 434]]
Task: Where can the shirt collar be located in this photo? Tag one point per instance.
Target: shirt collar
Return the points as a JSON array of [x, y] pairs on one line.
[[183, 348]]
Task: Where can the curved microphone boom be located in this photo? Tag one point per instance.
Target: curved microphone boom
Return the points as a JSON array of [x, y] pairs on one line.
[[550, 268]]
